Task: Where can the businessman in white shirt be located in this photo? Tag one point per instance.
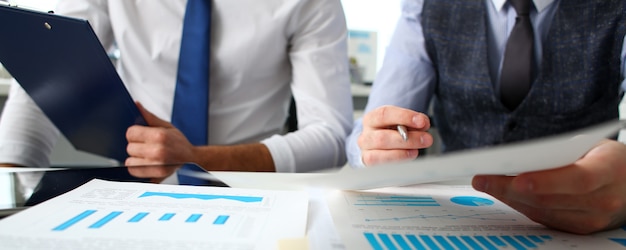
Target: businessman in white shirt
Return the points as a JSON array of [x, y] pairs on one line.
[[261, 55]]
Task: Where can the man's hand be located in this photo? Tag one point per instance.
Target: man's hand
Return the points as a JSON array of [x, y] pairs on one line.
[[159, 143], [585, 197], [380, 141]]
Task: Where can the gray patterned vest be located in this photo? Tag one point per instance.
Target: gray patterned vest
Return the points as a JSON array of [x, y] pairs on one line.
[[577, 85]]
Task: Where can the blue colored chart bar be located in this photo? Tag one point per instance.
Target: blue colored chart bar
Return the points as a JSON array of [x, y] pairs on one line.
[[457, 242], [444, 243], [387, 241], [246, 199], [193, 218], [404, 201], [400, 240], [472, 243], [167, 217], [221, 220], [497, 241], [525, 241], [429, 242], [138, 217], [72, 221], [485, 242], [416, 243], [106, 219], [373, 242], [513, 242], [535, 238]]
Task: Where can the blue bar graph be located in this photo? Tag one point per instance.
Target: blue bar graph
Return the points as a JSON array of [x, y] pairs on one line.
[[453, 242], [106, 219], [396, 200], [72, 221], [138, 217], [221, 220], [134, 218], [246, 199]]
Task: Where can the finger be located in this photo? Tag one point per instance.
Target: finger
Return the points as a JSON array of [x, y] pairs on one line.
[[390, 116], [155, 153], [156, 180], [500, 187], [143, 134], [148, 170], [375, 157], [573, 221], [601, 166], [152, 119], [391, 139]]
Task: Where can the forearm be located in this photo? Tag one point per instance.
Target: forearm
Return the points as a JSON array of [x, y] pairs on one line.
[[254, 157]]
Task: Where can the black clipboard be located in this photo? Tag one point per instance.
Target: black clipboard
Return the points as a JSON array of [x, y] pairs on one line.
[[62, 65]]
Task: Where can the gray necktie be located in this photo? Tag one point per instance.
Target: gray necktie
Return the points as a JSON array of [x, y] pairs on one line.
[[516, 75]]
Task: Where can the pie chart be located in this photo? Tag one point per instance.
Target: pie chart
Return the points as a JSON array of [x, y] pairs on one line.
[[471, 201]]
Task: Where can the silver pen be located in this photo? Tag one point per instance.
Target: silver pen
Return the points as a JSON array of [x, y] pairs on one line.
[[403, 132]]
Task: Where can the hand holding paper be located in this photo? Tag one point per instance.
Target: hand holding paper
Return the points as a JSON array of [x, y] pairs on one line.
[[583, 197], [511, 159]]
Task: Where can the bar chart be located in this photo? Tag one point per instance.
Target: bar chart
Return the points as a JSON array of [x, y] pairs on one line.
[[120, 215], [426, 217], [382, 241], [103, 218]]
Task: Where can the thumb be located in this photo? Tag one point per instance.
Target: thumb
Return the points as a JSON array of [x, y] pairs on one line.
[[151, 119]]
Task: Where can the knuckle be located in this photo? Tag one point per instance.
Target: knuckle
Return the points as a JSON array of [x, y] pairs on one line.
[[160, 136], [362, 141], [368, 159]]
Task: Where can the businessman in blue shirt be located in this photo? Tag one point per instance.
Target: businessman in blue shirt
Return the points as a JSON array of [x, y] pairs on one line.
[[500, 71]]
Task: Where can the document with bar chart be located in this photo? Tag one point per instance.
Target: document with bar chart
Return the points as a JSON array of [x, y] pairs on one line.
[[446, 218], [121, 215]]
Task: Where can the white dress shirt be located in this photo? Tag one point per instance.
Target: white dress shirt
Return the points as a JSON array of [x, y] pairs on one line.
[[262, 51], [408, 71]]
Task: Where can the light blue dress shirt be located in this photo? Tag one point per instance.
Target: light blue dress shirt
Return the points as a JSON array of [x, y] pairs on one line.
[[407, 78]]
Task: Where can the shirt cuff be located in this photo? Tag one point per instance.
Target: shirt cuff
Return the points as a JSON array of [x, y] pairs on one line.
[[284, 161], [21, 154], [352, 148]]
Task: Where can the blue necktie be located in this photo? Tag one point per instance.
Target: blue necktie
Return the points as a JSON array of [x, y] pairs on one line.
[[190, 109]]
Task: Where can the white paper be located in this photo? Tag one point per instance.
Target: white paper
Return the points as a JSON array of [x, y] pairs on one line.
[[446, 217], [509, 159], [122, 215]]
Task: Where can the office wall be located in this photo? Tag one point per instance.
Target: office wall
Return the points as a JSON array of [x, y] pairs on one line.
[[379, 16]]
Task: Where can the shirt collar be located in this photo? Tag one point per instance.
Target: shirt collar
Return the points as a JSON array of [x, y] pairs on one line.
[[539, 4]]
